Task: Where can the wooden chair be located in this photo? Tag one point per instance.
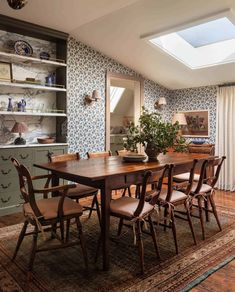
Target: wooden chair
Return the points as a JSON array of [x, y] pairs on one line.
[[46, 212], [80, 191], [203, 190], [137, 211], [107, 154], [207, 149], [175, 195]]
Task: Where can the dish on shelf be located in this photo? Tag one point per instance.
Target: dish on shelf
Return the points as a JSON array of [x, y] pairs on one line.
[[47, 140], [198, 142], [23, 48], [134, 157], [44, 56]]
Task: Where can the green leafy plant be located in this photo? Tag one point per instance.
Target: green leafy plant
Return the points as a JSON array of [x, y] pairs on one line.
[[151, 131]]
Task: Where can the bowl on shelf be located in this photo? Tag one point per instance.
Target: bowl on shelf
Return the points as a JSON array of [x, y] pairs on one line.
[[48, 140], [198, 142]]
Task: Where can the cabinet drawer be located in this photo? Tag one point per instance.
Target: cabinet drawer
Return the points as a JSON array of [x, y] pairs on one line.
[[9, 184], [24, 156], [10, 199], [6, 154]]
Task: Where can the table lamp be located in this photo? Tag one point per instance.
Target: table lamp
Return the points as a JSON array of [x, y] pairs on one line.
[[180, 118], [19, 128]]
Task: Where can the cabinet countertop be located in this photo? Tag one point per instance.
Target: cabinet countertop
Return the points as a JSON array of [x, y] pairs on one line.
[[32, 145]]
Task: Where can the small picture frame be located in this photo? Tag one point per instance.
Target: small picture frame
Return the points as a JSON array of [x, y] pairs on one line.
[[5, 71], [197, 124]]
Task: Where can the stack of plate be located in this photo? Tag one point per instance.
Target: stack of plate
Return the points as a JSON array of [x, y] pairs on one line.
[[134, 157]]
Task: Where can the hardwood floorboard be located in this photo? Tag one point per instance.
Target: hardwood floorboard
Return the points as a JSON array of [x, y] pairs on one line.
[[221, 281]]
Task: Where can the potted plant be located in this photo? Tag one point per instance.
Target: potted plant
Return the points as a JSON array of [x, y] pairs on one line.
[[154, 134]]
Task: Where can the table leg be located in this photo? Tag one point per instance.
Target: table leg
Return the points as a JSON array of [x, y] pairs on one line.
[[55, 182], [105, 223]]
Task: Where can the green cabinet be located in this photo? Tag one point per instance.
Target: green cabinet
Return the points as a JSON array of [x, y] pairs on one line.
[[10, 196]]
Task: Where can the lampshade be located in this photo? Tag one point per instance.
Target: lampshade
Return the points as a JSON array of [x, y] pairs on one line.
[[19, 128], [162, 101], [179, 117], [95, 95]]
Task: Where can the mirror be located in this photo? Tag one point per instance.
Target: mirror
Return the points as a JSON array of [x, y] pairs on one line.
[[124, 100]]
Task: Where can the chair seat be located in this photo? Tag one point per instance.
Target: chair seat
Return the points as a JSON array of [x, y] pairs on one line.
[[176, 196], [49, 207], [185, 176], [126, 207], [204, 189], [81, 191]]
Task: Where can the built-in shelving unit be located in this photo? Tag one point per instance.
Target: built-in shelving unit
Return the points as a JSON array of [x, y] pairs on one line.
[[33, 114], [32, 86], [13, 58]]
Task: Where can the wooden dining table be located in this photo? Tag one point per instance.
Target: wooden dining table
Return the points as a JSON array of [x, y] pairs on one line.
[[111, 173]]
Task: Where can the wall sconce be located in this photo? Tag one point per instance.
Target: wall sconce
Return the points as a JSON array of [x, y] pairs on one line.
[[94, 97], [17, 4], [160, 103]]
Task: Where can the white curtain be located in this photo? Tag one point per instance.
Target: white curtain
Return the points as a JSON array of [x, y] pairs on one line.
[[225, 136]]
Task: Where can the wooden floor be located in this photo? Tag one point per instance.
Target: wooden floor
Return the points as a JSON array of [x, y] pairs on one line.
[[221, 281]]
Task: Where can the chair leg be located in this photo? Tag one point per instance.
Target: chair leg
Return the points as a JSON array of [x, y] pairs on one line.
[[33, 251], [201, 216], [206, 205], [153, 233], [98, 209], [190, 222], [174, 231], [137, 192], [124, 192], [83, 246], [20, 239], [120, 226], [129, 191], [62, 230], [165, 217], [92, 206], [214, 210], [140, 245], [67, 230], [53, 230]]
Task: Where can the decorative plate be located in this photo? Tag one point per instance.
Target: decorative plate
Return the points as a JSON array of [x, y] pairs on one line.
[[134, 158], [23, 48]]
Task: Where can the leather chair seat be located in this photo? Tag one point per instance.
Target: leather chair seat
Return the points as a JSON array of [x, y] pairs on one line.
[[176, 196], [204, 189], [81, 191], [126, 206], [49, 207], [185, 177]]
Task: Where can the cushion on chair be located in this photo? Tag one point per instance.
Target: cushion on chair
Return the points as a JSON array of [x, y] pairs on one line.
[[126, 206], [204, 189], [185, 176], [49, 207], [176, 196], [81, 191]]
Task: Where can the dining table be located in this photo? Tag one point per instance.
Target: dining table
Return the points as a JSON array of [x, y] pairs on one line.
[[110, 173]]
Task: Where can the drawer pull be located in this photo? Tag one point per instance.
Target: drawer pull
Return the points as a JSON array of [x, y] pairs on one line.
[[5, 201], [5, 186], [50, 154], [24, 157], [5, 158], [5, 172]]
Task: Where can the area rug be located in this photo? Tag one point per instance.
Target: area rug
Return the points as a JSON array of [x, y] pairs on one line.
[[63, 270]]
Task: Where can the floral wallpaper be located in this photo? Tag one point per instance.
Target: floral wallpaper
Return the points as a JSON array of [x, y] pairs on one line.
[[87, 71], [200, 98]]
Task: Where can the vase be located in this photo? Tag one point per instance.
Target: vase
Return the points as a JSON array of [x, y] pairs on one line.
[[152, 151], [10, 106]]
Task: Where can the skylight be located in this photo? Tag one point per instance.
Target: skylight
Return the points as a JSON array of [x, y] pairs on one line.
[[207, 44], [115, 96]]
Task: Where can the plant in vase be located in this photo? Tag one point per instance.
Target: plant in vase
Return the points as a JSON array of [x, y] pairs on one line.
[[153, 133]]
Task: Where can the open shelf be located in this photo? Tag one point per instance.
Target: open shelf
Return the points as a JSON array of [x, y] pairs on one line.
[[14, 58], [32, 86], [33, 114]]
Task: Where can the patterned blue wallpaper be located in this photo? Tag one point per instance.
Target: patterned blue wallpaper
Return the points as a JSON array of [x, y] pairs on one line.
[[201, 98], [87, 71]]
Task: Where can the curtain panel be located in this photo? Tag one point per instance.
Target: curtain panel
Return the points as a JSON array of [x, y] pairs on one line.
[[225, 136]]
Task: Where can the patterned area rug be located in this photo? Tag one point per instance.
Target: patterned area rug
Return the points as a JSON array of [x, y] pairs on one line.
[[63, 270]]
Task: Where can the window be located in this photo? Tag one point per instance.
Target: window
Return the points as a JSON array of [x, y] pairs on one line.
[[207, 44], [115, 96]]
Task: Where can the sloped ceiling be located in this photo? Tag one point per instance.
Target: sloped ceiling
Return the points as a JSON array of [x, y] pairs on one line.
[[115, 27]]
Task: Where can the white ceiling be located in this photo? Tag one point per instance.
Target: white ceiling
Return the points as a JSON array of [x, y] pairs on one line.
[[115, 27]]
